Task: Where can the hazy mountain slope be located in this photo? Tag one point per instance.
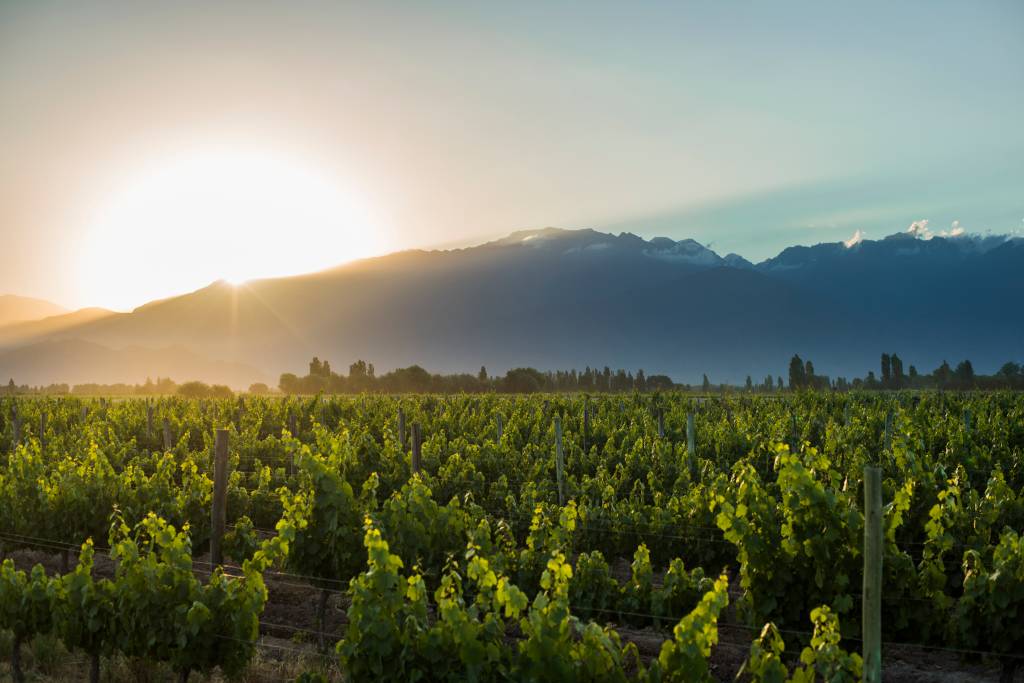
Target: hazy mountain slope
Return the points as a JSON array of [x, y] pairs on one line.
[[556, 298], [938, 298], [22, 332], [79, 362], [15, 309]]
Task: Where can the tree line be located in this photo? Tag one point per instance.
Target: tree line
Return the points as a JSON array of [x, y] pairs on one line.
[[362, 376], [892, 377]]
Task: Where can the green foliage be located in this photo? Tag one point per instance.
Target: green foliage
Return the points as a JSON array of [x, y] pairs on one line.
[[685, 657], [26, 606], [774, 491], [327, 525], [165, 614], [240, 542], [84, 609], [988, 615], [822, 660]]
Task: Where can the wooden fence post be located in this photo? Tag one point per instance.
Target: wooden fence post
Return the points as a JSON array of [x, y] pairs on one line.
[[17, 427], [291, 451], [167, 434], [417, 445], [691, 445], [149, 419], [559, 460], [872, 593], [220, 491], [42, 431], [691, 436], [401, 429], [586, 427], [887, 445]]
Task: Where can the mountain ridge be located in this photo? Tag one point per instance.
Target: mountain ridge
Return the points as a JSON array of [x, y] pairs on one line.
[[555, 298], [16, 309]]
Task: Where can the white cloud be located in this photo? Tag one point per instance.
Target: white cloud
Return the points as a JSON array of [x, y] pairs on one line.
[[919, 229], [857, 238], [955, 230]]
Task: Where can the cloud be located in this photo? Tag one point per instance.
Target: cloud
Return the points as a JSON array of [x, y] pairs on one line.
[[919, 229], [857, 238], [955, 230]]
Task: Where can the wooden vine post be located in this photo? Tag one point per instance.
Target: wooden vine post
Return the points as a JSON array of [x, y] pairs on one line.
[[691, 443], [17, 427], [586, 426], [499, 426], [401, 429], [661, 423], [559, 460], [293, 430], [417, 445], [887, 446], [42, 431], [218, 513], [167, 434], [149, 419], [872, 593]]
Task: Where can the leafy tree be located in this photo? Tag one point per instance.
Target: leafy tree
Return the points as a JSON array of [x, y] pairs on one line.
[[964, 374], [797, 373], [897, 371], [1010, 370], [523, 381], [886, 370]]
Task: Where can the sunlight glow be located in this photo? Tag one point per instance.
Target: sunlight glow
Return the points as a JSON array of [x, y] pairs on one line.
[[230, 215]]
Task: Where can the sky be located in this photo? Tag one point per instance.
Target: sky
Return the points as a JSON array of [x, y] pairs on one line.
[[151, 148]]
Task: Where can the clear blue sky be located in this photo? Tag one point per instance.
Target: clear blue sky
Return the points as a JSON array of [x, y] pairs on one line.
[[750, 125]]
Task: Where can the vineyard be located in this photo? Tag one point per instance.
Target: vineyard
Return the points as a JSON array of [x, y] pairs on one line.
[[545, 538]]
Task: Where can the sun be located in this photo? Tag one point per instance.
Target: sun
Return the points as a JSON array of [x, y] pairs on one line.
[[190, 219]]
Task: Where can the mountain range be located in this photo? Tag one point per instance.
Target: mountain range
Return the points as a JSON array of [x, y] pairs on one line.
[[15, 309], [555, 298]]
